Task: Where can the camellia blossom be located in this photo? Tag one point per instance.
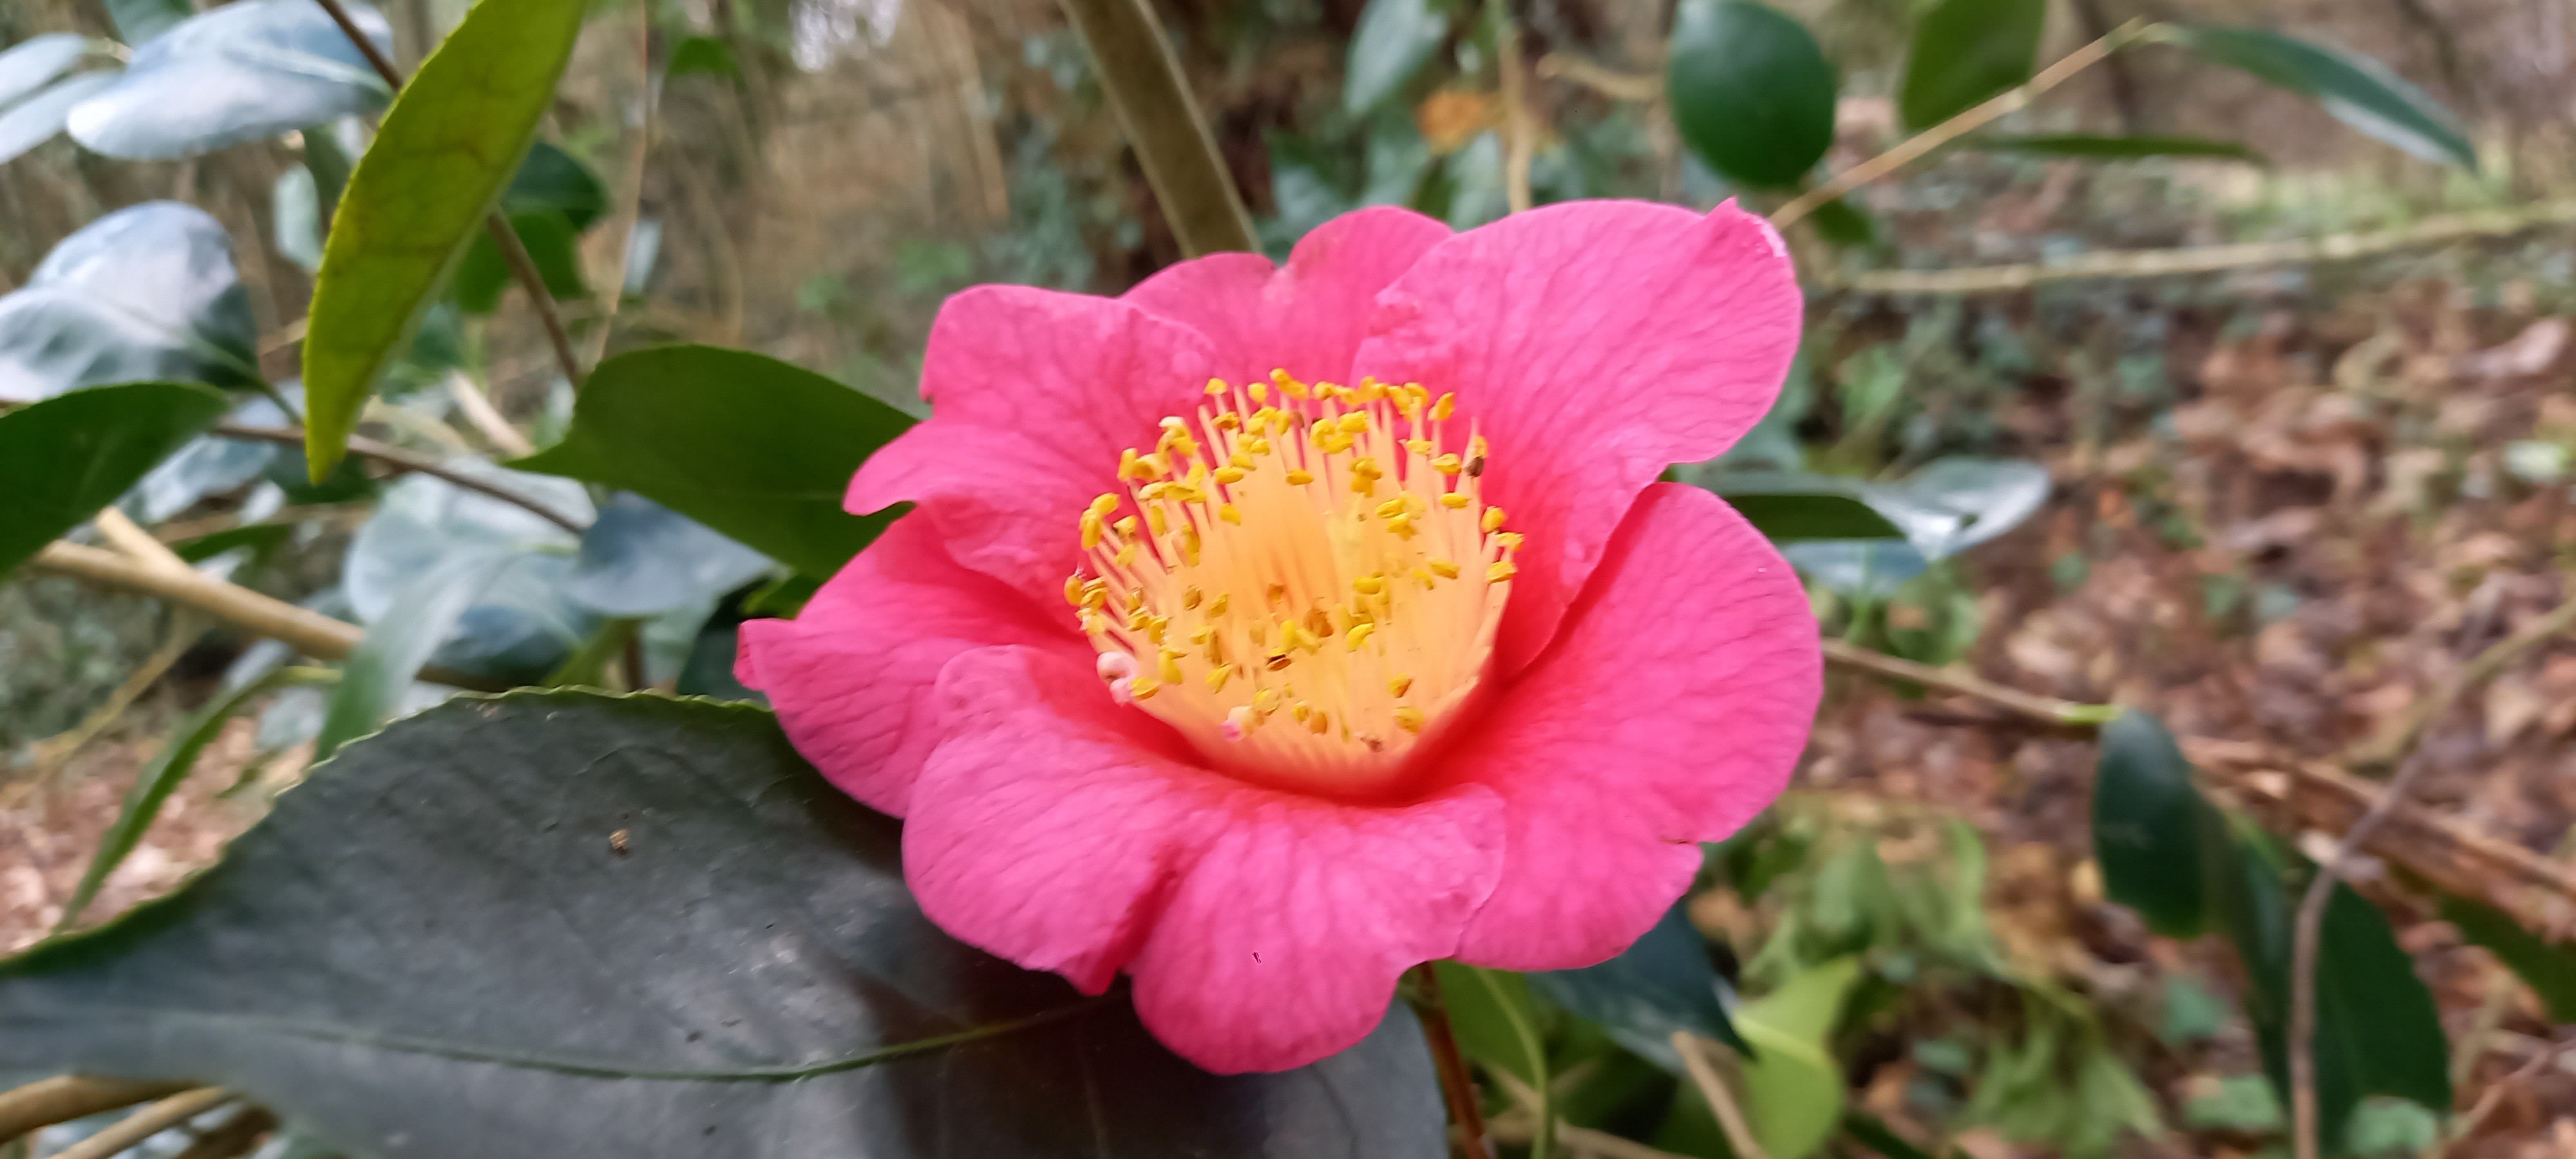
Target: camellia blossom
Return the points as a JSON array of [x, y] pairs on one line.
[[1265, 632]]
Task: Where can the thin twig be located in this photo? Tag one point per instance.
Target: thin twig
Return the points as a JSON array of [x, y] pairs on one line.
[[2437, 230], [1520, 136], [2047, 709], [1907, 151], [516, 255], [1135, 67], [146, 1123], [1608, 82], [630, 203], [2403, 735], [1457, 1087], [1712, 1086], [302, 629], [1521, 1127], [2493, 1096], [402, 460], [237, 1136], [46, 1102], [487, 419], [121, 533]]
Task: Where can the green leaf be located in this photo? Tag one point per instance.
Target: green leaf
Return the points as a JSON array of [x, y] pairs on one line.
[[1786, 507], [702, 55], [1491, 1015], [64, 458], [1964, 52], [549, 179], [153, 786], [2357, 90], [1395, 38], [1751, 91], [553, 245], [33, 63], [138, 21], [1663, 983], [34, 121], [750, 446], [1950, 505], [146, 292], [640, 558], [2093, 148], [1843, 225], [449, 144], [1874, 1133], [261, 538], [397, 645], [1794, 1088], [2549, 968], [2146, 825], [576, 926], [246, 71]]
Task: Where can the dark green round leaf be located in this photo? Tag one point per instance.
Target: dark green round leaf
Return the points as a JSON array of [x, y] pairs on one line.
[[1395, 38], [2093, 148], [242, 72], [2146, 825], [1843, 225], [1661, 984], [643, 559], [63, 459], [32, 63], [2357, 90], [1750, 91], [1965, 51], [146, 292], [750, 446], [705, 55], [34, 121], [572, 925], [1788, 506]]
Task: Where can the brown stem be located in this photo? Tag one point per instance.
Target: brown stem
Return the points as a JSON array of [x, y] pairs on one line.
[[60, 1100], [1135, 66], [149, 1121], [402, 460], [1457, 1087]]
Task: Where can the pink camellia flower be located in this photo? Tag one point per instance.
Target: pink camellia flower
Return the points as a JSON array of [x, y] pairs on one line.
[[1265, 632]]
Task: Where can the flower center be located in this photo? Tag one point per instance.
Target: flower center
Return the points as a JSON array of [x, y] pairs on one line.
[[1305, 582]]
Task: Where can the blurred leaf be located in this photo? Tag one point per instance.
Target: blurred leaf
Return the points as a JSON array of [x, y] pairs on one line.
[[752, 447], [34, 121], [153, 786], [709, 668], [1395, 38], [209, 465], [550, 179], [446, 149], [295, 214], [261, 538], [244, 71], [2356, 89], [2098, 148], [526, 620], [1751, 92], [2243, 1103], [588, 664], [1870, 569], [1495, 1023], [1787, 506], [146, 292], [33, 63], [1794, 1089], [63, 459], [482, 276], [1965, 51], [577, 926], [1873, 1133], [2549, 968], [2146, 825], [702, 55], [1844, 226], [400, 642], [640, 558], [138, 21], [1948, 506], [1661, 984]]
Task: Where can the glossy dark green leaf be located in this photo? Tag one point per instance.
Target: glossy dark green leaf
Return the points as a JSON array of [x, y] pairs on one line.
[[750, 446], [1965, 51], [483, 276], [1788, 507], [400, 642], [575, 926], [63, 459], [2548, 967], [1750, 90], [162, 777], [1663, 983], [2356, 89], [448, 146], [35, 120], [2097, 148], [138, 21], [33, 63], [146, 292], [2146, 825], [640, 558], [242, 72], [702, 56], [1395, 38]]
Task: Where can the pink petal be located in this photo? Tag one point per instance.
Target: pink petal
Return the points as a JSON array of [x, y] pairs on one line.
[[1264, 929], [1307, 318], [1033, 393], [1669, 712], [853, 676], [1594, 344]]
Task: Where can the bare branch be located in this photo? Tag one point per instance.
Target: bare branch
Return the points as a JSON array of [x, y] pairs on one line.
[[1135, 66], [146, 1123], [403, 460], [60, 1100], [1456, 1085], [1712, 1086]]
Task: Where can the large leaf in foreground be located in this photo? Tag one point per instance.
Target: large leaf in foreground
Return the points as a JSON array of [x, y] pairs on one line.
[[750, 446], [448, 145], [64, 458], [572, 925]]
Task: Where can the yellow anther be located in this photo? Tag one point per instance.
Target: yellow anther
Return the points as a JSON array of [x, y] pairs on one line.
[[1447, 406], [1202, 634], [1279, 661], [1447, 464], [1127, 463], [1228, 421], [1218, 675], [1257, 445], [1408, 718], [1143, 688], [1299, 478], [1190, 546], [1093, 624], [1320, 431], [1511, 540], [1095, 593], [1170, 666], [1217, 608], [1151, 467], [1402, 526], [1239, 459], [1138, 618], [1260, 391], [1287, 386], [1092, 529], [1493, 519], [1355, 422], [1425, 578], [1422, 447], [1442, 568], [1266, 701], [1230, 475], [1191, 596], [1501, 570], [1126, 525], [1073, 588], [1228, 513], [1103, 504], [1300, 711], [1453, 501], [1364, 485], [1216, 386], [1391, 508], [1160, 522], [1319, 722], [1156, 626], [1369, 585], [1126, 556], [1359, 635], [1319, 623], [1367, 467], [1400, 685]]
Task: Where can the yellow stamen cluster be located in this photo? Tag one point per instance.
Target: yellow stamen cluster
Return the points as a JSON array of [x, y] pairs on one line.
[[1305, 581]]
